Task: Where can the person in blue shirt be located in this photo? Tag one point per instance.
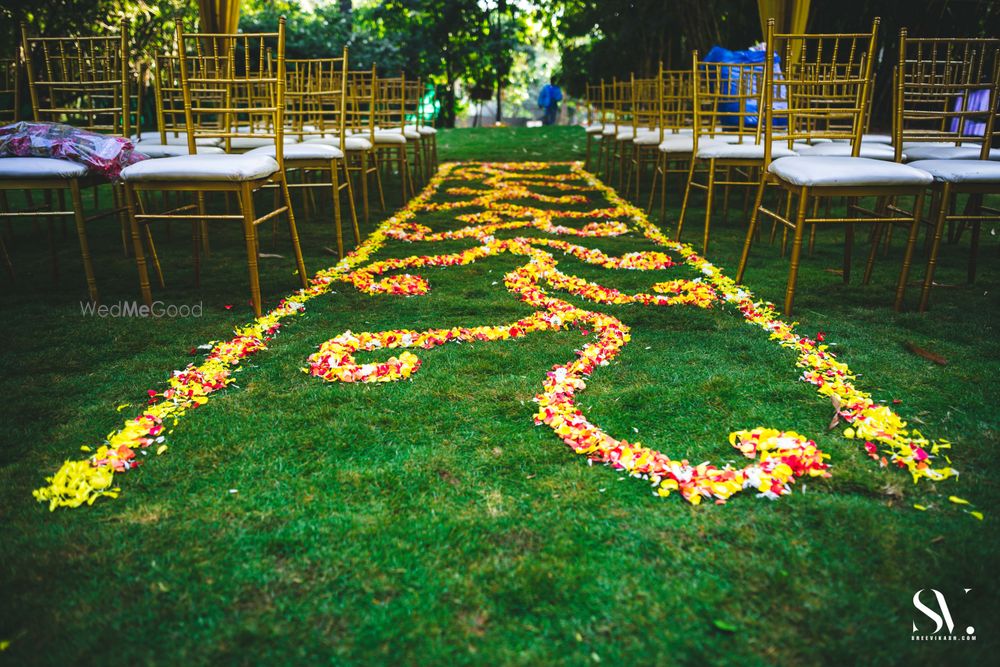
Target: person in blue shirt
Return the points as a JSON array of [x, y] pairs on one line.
[[549, 100]]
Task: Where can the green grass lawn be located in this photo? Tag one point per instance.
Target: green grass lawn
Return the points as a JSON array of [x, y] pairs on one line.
[[429, 521]]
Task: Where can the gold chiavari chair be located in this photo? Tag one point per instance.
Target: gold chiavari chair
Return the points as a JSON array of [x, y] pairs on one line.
[[360, 130], [83, 81], [169, 139], [727, 98], [416, 99], [594, 126], [10, 106], [646, 132], [10, 90], [826, 90], [219, 74], [945, 134], [412, 93], [676, 123], [613, 93], [390, 133], [315, 99], [625, 132]]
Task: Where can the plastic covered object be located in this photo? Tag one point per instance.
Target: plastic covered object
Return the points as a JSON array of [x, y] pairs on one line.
[[718, 54], [102, 154]]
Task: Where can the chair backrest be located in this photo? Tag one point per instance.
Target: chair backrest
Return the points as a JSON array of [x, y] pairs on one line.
[[390, 103], [315, 96], [82, 81], [824, 90], [10, 91], [726, 100], [233, 86], [621, 102], [645, 103], [946, 91], [414, 96], [361, 101], [676, 93], [592, 100]]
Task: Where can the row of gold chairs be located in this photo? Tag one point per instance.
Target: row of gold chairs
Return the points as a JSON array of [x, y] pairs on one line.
[[803, 132], [233, 117]]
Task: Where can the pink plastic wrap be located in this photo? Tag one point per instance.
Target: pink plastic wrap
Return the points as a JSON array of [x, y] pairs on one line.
[[102, 154]]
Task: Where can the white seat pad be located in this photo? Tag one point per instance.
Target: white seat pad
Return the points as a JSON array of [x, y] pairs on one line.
[[390, 137], [914, 144], [836, 149], [596, 128], [831, 171], [40, 167], [741, 151], [174, 139], [356, 143], [648, 138], [171, 150], [631, 132], [610, 129], [870, 139], [202, 168], [304, 151], [961, 171], [427, 131], [948, 153], [684, 143]]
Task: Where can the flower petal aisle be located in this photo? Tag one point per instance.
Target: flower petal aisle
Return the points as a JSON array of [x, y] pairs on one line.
[[486, 206]]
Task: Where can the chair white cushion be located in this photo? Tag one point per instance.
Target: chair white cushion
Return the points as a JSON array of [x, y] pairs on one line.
[[836, 149], [833, 171], [174, 139], [966, 144], [610, 129], [427, 131], [303, 151], [648, 139], [387, 137], [171, 150], [961, 171], [741, 151], [249, 143], [40, 167], [948, 153], [596, 128], [684, 143], [356, 143], [627, 133], [202, 168]]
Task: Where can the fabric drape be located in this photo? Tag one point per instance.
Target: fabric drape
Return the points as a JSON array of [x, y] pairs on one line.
[[219, 16], [790, 17]]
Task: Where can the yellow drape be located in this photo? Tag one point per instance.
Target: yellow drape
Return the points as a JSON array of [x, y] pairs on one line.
[[219, 16], [790, 17]]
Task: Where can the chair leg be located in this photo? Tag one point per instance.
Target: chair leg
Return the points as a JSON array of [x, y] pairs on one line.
[[378, 178], [586, 158], [250, 236], [404, 171], [911, 241], [754, 218], [6, 259], [708, 205], [294, 233], [364, 185], [140, 255], [338, 228], [154, 258], [81, 232], [684, 202], [940, 212], [793, 270], [652, 184], [350, 202]]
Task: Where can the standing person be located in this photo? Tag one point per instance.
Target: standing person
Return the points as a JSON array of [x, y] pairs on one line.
[[549, 100]]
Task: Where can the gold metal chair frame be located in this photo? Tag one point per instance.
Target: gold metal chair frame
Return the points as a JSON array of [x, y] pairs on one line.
[[78, 78], [826, 99], [931, 75], [716, 89], [214, 80], [390, 118]]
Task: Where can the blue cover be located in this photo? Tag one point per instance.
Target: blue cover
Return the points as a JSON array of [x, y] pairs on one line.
[[717, 54]]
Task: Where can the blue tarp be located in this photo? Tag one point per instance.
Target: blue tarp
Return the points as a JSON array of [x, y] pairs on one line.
[[717, 54]]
